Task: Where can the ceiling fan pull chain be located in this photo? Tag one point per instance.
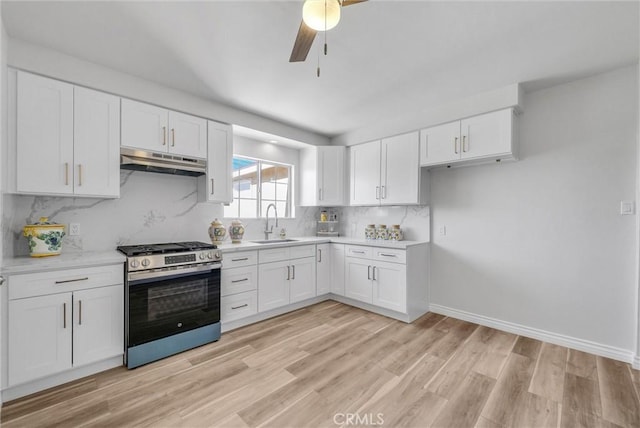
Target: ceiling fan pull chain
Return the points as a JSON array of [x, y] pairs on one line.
[[318, 69]]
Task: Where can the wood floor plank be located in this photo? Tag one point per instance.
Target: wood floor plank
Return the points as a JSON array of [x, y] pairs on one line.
[[509, 390], [620, 403], [466, 404], [548, 377], [527, 347], [582, 364], [498, 347], [536, 411], [581, 402]]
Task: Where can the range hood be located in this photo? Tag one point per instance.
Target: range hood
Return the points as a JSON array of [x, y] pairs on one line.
[[141, 160]]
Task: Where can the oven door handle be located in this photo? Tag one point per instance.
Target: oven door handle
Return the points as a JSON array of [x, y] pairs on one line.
[[172, 273]]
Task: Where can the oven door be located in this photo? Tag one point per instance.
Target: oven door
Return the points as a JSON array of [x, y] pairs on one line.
[[161, 304]]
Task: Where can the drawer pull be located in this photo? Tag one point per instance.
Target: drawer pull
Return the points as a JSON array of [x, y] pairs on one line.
[[388, 255], [64, 315], [72, 280], [79, 312], [357, 252], [240, 280], [241, 306], [240, 260]]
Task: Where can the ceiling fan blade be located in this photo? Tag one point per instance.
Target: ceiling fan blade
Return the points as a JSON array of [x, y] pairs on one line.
[[303, 43], [350, 2]]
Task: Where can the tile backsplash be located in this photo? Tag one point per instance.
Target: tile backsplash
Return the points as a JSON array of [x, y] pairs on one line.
[[164, 208]]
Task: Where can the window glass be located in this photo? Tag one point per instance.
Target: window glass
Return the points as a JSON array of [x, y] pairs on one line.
[[256, 184]]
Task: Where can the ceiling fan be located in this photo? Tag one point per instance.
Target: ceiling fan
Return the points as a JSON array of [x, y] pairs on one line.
[[317, 15]]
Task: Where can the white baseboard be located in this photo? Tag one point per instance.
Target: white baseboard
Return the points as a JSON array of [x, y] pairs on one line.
[[546, 336]]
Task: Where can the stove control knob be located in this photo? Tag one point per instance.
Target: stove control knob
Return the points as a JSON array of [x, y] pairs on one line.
[[145, 262], [134, 264], [218, 255], [210, 255], [202, 256]]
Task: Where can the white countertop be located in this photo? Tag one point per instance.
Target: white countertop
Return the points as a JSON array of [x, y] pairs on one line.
[[249, 245], [26, 264]]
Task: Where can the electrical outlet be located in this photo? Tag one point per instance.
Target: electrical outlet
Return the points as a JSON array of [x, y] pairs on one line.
[[443, 230], [74, 229]]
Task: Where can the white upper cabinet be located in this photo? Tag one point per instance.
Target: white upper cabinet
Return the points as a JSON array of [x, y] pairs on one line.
[[322, 176], [44, 137], [480, 138], [96, 149], [67, 139], [148, 127], [216, 185], [387, 172]]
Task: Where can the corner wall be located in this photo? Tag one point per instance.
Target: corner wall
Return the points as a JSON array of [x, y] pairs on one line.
[[539, 246]]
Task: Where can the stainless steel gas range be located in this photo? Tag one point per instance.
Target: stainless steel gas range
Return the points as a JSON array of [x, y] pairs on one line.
[[172, 299]]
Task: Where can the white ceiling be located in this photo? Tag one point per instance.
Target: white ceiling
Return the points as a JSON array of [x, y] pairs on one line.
[[385, 58]]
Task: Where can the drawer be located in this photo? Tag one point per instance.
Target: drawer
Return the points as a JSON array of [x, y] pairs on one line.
[[390, 255], [300, 251], [358, 251], [273, 255], [243, 258], [238, 306], [238, 280], [63, 281]]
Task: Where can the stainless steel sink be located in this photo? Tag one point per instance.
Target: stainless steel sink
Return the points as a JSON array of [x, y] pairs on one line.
[[274, 241]]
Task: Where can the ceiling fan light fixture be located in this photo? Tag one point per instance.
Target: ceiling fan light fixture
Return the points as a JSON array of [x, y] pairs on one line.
[[313, 14]]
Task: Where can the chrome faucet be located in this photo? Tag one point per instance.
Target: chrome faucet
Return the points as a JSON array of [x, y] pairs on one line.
[[267, 230]]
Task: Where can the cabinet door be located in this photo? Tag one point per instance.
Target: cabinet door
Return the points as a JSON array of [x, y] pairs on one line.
[[219, 163], [400, 171], [187, 135], [44, 135], [98, 325], [96, 134], [487, 135], [357, 277], [440, 144], [323, 269], [273, 285], [331, 169], [365, 174], [337, 271], [303, 279], [390, 286], [39, 337], [144, 126]]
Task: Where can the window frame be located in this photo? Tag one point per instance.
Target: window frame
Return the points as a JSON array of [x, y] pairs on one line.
[[289, 207]]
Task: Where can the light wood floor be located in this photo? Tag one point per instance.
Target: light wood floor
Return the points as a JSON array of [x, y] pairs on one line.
[[330, 362]]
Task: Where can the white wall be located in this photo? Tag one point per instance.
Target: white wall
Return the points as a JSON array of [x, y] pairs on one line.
[[3, 139], [51, 63], [540, 243]]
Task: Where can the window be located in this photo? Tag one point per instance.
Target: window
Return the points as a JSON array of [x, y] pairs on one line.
[[258, 183]]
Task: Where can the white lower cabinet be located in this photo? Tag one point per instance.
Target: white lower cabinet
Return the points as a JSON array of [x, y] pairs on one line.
[[358, 279], [323, 269], [389, 285], [63, 319], [239, 286], [286, 275], [337, 269]]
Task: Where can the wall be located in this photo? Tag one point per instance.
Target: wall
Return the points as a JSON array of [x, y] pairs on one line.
[[539, 246], [3, 139]]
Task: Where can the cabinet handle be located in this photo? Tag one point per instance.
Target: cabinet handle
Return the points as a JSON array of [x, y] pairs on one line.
[[383, 194], [241, 306], [455, 145], [293, 275], [319, 255], [240, 260], [288, 273], [64, 315], [368, 272], [239, 280], [66, 173], [173, 137], [79, 174], [72, 280], [357, 252], [464, 143], [213, 186], [164, 135], [388, 255], [377, 192], [320, 194], [1, 280], [79, 312], [374, 273]]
